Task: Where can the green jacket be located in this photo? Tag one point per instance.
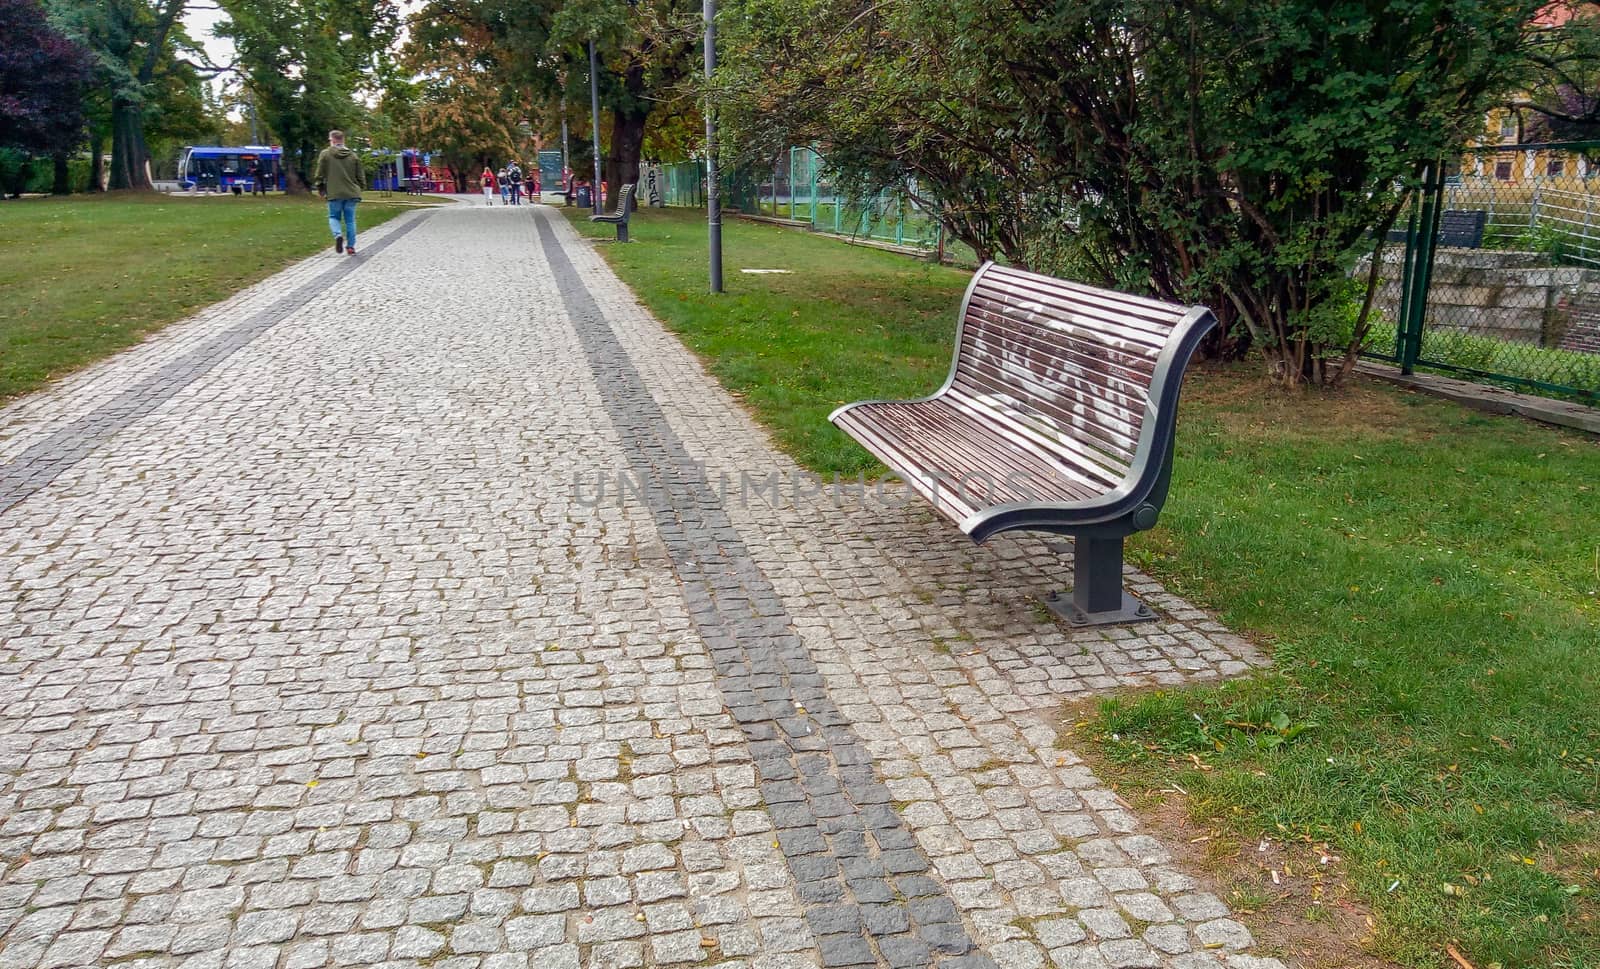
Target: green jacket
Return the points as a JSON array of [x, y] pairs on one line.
[[339, 173]]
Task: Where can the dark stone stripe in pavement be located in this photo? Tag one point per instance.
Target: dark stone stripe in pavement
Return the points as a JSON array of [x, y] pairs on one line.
[[858, 870], [42, 462]]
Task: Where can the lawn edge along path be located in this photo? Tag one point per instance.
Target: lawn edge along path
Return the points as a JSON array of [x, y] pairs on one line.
[[88, 276]]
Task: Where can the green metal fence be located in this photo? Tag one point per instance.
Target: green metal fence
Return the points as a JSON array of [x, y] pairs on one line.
[[798, 186], [1496, 275]]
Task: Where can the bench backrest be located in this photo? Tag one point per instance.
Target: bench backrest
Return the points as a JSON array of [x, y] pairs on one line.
[[1071, 372], [623, 199], [1463, 227]]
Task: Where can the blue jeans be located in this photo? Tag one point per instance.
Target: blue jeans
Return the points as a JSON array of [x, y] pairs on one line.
[[343, 210]]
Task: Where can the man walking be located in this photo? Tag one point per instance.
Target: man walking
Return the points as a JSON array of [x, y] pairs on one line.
[[338, 177], [514, 172]]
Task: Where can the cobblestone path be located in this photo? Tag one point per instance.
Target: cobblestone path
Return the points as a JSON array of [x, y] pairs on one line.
[[413, 611]]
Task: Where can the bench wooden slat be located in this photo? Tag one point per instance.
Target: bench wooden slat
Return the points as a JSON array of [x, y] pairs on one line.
[[1080, 330], [991, 334], [947, 440], [1073, 388], [1073, 460], [1120, 402], [1036, 451], [1122, 305], [1132, 320], [1069, 441], [989, 309]]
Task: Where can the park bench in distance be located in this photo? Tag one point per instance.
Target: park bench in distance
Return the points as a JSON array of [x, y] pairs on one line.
[[1058, 416], [1461, 228], [620, 216]]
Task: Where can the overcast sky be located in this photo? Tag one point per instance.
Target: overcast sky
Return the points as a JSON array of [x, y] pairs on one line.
[[199, 22]]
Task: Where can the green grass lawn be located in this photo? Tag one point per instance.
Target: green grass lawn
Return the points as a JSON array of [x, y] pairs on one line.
[[845, 323], [1428, 580], [85, 276]]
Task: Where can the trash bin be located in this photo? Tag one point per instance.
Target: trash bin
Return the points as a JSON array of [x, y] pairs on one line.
[[584, 198]]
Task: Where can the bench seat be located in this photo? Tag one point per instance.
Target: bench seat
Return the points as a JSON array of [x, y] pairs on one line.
[[1058, 415]]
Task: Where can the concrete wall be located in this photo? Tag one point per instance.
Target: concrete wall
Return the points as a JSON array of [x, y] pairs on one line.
[[1513, 296]]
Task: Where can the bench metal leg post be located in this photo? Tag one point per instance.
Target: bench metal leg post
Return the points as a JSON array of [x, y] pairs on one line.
[[1097, 597], [622, 231]]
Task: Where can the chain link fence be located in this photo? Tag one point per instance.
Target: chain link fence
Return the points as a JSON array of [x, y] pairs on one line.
[[1496, 274], [799, 187]]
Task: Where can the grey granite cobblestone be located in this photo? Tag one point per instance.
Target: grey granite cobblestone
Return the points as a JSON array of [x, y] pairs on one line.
[[315, 655]]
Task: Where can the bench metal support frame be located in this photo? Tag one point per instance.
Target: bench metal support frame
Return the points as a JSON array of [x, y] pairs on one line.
[[1096, 596]]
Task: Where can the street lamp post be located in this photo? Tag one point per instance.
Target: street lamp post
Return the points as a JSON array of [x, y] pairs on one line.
[[594, 121], [713, 196]]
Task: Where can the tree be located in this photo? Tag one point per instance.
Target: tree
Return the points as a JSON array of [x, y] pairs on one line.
[[461, 111], [648, 54], [142, 52], [1561, 96], [43, 77], [1228, 151], [537, 53], [306, 62]]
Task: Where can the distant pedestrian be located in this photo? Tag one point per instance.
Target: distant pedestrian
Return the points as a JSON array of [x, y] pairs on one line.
[[487, 178], [339, 178], [515, 174], [258, 178], [505, 187]]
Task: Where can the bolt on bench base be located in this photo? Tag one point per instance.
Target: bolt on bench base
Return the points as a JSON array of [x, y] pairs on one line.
[[1096, 597], [1131, 610]]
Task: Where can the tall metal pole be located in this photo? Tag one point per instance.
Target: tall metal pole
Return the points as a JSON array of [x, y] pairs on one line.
[[566, 158], [594, 123], [566, 161], [713, 195]]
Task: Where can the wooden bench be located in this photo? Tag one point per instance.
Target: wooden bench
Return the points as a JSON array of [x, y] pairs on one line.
[[1058, 416], [620, 216]]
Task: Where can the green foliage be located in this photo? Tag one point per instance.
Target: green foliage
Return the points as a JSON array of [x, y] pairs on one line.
[[20, 173], [1230, 152], [150, 84], [309, 63]]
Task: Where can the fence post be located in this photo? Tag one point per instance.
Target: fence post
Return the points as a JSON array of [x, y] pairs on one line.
[[1533, 207], [1408, 264], [1421, 246], [1588, 208], [813, 157]]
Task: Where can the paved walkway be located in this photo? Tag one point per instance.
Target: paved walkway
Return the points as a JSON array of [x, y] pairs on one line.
[[323, 646]]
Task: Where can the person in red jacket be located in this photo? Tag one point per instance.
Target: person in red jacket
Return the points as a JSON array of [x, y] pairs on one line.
[[489, 185]]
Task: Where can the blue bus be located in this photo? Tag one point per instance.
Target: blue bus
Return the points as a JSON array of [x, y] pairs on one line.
[[212, 168]]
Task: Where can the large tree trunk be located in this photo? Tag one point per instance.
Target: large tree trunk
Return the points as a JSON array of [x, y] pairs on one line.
[[297, 175], [627, 141], [97, 162], [627, 130], [62, 183], [129, 156]]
